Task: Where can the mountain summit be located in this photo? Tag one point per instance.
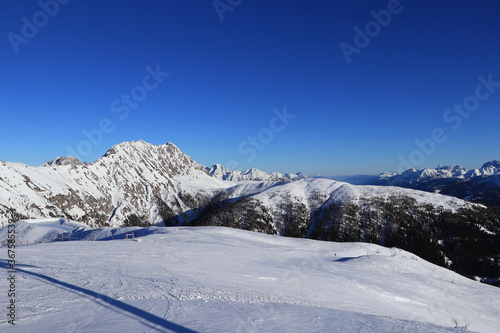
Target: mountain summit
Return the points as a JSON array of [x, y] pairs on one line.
[[70, 160], [167, 159]]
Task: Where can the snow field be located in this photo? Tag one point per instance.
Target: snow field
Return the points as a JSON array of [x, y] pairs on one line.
[[225, 280]]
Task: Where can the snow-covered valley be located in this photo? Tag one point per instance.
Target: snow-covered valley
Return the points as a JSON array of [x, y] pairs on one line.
[[212, 279]]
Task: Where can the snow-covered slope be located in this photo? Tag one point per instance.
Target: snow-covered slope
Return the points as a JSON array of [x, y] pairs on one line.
[[32, 231], [227, 280], [306, 190], [437, 227], [275, 205]]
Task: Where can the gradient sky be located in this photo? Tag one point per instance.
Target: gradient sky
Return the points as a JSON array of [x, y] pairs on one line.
[[227, 76]]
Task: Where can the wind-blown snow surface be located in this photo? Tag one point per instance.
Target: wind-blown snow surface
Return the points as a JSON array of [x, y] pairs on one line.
[[226, 280]]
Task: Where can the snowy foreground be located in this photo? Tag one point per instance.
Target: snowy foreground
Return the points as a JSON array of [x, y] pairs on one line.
[[226, 280]]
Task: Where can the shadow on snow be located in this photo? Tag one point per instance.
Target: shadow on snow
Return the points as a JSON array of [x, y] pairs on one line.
[[112, 303]]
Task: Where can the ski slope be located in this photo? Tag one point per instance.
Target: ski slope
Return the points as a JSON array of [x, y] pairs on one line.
[[210, 279]]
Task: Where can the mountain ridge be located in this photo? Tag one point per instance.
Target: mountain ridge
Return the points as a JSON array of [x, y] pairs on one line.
[[140, 184], [477, 185], [137, 174], [129, 177]]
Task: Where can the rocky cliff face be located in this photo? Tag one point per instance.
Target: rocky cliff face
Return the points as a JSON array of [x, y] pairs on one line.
[[126, 180]]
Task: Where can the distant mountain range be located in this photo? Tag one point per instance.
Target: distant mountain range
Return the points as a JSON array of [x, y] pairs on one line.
[[477, 185], [220, 172], [137, 183]]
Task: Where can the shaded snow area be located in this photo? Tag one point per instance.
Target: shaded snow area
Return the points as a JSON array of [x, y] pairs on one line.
[[210, 279]]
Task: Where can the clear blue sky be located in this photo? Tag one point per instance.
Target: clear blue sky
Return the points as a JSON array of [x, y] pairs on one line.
[[73, 74]]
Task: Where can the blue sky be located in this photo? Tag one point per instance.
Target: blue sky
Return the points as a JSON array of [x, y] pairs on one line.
[[65, 84]]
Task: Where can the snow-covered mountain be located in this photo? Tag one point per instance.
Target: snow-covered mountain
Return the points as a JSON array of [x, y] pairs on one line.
[[491, 168], [413, 176], [478, 185], [131, 178], [138, 184], [147, 182], [63, 160], [227, 280], [220, 172], [123, 181]]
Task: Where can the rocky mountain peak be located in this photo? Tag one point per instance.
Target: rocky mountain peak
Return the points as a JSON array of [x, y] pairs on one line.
[[491, 164], [167, 157], [63, 160]]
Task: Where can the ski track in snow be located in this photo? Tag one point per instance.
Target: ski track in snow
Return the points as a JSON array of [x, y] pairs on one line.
[[210, 279]]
